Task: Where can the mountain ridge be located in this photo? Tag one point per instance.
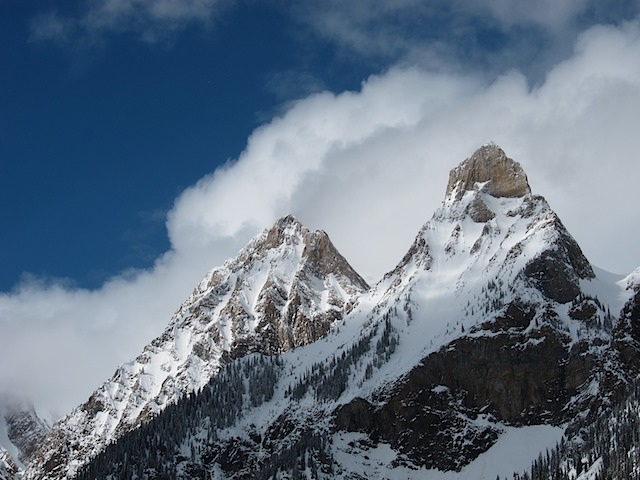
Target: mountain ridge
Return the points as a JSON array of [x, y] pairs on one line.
[[490, 322]]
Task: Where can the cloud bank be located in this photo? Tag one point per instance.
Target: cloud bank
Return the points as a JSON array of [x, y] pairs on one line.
[[369, 167]]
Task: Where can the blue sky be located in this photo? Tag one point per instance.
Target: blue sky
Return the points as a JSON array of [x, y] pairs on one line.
[[144, 142], [100, 135]]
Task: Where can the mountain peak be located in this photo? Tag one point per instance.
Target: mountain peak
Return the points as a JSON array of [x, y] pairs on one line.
[[288, 221], [489, 165], [283, 229]]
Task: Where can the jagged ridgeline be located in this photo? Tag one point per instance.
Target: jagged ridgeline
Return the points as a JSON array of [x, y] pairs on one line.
[[493, 333]]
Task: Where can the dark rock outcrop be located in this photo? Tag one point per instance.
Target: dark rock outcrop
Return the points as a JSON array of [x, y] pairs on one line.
[[514, 376], [557, 272], [626, 335]]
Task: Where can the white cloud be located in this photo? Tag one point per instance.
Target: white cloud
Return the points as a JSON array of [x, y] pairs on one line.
[[369, 167], [152, 20], [59, 343]]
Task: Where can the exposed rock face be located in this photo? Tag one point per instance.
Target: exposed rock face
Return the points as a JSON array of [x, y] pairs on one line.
[[26, 431], [287, 318], [516, 376], [627, 335], [479, 211], [21, 427], [504, 177], [423, 425]]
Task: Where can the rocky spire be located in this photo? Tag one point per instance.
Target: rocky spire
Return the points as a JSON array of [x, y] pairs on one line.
[[503, 177], [317, 249]]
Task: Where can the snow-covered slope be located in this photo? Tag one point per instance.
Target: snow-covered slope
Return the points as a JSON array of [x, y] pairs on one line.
[[8, 468], [485, 247], [632, 281], [493, 325], [285, 289]]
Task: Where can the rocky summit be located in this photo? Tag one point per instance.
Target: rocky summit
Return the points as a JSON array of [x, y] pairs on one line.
[[492, 340], [491, 170]]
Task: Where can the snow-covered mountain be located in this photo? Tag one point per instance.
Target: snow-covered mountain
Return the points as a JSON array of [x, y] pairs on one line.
[[493, 331], [22, 431], [285, 289], [501, 320]]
